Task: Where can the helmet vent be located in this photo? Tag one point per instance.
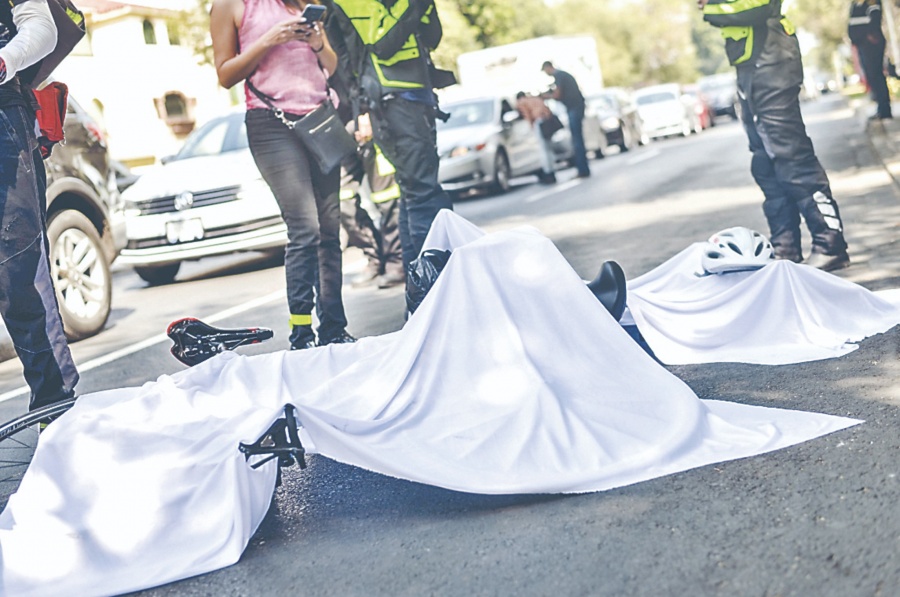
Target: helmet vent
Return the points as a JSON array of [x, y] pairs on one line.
[[735, 248]]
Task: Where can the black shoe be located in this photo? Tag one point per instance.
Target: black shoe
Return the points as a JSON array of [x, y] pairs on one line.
[[583, 175], [796, 258], [342, 338], [547, 178], [610, 288], [303, 344], [828, 263]]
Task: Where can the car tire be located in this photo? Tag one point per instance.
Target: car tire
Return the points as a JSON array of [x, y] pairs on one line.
[[627, 139], [80, 274], [157, 275], [502, 173]]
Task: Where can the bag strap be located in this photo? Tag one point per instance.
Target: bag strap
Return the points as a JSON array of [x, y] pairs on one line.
[[269, 101]]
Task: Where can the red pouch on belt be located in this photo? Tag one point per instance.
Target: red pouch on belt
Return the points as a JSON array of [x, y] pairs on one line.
[[51, 116]]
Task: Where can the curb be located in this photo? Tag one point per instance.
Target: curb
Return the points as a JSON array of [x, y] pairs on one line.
[[884, 139]]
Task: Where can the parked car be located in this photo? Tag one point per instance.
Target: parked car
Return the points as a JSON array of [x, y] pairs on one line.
[[85, 224], [706, 118], [665, 110], [721, 91], [618, 116], [594, 139], [208, 199], [484, 144]]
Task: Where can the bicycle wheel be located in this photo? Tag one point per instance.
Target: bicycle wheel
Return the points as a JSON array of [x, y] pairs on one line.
[[18, 439]]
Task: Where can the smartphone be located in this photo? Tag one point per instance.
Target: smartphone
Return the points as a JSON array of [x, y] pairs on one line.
[[313, 13]]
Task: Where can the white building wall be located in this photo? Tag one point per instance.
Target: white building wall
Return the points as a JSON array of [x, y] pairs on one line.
[[124, 75]]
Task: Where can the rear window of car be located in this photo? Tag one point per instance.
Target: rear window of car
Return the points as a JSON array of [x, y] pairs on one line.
[[655, 98], [468, 114]]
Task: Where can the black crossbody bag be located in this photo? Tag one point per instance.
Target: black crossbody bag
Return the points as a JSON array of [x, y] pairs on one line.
[[321, 131]]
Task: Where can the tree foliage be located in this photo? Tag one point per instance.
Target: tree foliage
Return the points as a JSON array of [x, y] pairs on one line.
[[639, 41]]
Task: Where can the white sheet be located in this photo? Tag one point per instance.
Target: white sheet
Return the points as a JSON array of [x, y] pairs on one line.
[[509, 378], [783, 313]]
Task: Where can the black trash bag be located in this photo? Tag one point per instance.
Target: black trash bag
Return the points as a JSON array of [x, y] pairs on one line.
[[423, 273]]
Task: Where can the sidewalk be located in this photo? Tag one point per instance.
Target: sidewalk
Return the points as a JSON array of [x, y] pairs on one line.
[[884, 137]]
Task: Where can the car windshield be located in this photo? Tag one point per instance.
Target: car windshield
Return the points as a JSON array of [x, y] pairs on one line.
[[468, 114], [655, 98], [215, 137]]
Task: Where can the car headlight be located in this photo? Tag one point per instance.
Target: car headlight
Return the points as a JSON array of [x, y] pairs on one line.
[[610, 123]]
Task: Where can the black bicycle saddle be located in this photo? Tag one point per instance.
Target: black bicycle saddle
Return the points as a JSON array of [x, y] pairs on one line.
[[609, 288], [195, 341]]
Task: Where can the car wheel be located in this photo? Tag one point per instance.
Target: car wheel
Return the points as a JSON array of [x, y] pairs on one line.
[[627, 139], [80, 274], [501, 173], [156, 275]]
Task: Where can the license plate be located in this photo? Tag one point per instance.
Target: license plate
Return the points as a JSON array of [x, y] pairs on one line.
[[184, 231]]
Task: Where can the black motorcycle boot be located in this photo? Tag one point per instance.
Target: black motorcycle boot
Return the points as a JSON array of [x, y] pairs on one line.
[[829, 250], [784, 229]]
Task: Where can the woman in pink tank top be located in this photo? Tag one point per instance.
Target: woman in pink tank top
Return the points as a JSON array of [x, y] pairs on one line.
[[268, 44]]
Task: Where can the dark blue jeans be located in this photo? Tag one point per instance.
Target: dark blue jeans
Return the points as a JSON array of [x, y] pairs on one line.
[[576, 126], [27, 299], [406, 134], [309, 204]]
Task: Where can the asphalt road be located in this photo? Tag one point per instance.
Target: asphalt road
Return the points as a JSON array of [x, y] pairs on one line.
[[815, 519]]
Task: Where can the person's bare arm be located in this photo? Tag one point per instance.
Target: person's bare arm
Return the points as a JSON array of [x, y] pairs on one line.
[[233, 66], [318, 41]]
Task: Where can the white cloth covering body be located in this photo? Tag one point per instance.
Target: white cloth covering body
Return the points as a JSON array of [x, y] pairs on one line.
[[509, 378], [780, 314]]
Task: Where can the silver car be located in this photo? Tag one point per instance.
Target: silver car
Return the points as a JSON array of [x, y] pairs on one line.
[[209, 199], [484, 144]]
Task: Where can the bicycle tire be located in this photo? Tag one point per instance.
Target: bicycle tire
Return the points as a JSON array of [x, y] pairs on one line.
[[18, 439]]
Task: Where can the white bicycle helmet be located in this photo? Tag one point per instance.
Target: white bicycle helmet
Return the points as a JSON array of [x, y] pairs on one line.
[[736, 249]]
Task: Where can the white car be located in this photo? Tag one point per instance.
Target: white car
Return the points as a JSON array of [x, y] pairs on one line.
[[665, 110], [208, 199]]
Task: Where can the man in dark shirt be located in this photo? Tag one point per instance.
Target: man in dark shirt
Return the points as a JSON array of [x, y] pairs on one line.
[[865, 33], [565, 89]]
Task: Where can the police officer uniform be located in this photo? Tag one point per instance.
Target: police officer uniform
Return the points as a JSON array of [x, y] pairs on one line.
[[761, 44], [381, 244], [28, 303], [385, 47], [864, 29]]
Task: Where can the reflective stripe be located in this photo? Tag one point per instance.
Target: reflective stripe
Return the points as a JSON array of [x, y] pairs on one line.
[[733, 7], [392, 192], [382, 164], [301, 320], [788, 26], [737, 34], [859, 21], [347, 194]]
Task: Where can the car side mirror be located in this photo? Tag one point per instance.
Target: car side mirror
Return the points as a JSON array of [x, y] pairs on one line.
[[511, 116]]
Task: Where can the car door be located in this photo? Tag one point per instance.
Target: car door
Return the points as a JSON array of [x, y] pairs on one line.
[[521, 143]]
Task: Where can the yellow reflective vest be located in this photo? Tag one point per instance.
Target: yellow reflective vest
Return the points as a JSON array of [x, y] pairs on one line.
[[742, 22], [393, 42]]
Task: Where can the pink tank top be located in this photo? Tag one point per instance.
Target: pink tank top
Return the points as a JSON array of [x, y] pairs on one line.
[[290, 73]]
